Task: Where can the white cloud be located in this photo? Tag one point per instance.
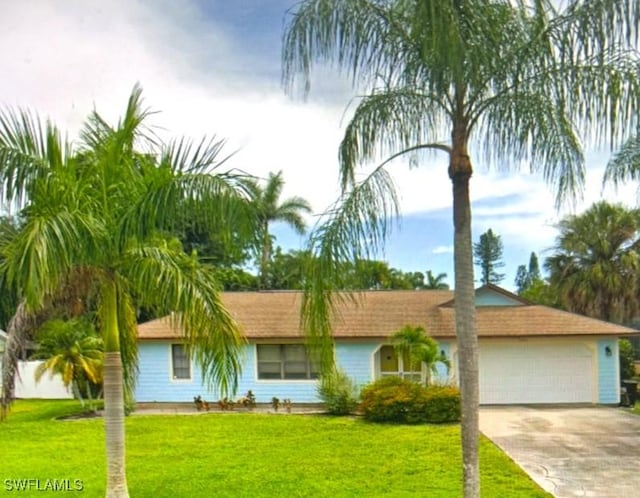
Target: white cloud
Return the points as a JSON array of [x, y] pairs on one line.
[[442, 250], [64, 58]]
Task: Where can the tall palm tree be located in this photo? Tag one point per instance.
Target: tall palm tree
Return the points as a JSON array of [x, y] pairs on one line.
[[270, 209], [596, 262], [71, 349], [436, 282], [522, 79], [102, 208]]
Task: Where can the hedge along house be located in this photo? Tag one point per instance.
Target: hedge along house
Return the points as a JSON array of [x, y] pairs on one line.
[[528, 353]]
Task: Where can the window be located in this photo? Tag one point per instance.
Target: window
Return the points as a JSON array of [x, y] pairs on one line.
[[401, 366], [180, 362], [285, 361]]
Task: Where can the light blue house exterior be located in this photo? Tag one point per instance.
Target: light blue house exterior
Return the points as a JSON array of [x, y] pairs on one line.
[[528, 353]]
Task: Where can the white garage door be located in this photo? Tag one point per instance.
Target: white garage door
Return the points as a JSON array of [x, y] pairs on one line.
[[526, 372]]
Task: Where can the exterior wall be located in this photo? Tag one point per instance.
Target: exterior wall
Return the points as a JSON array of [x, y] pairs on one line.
[[487, 297], [48, 387], [608, 372], [155, 382], [356, 358]]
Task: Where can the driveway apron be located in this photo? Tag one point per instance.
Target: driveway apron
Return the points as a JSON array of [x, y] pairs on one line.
[[570, 451]]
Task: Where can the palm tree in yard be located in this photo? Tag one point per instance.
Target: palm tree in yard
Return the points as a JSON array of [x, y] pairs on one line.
[[101, 209], [523, 81], [436, 282], [71, 349], [414, 345], [269, 208], [596, 262]]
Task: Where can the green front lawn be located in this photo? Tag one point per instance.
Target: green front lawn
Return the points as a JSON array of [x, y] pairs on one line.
[[240, 454]]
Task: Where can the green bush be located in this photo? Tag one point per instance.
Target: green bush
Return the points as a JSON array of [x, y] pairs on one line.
[[339, 393], [443, 404], [392, 399]]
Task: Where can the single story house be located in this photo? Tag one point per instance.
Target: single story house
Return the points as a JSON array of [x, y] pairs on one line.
[[528, 353]]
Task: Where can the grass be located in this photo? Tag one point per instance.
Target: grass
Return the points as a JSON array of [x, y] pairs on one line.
[[240, 454]]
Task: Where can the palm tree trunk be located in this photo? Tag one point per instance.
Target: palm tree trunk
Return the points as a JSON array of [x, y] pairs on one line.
[[460, 173], [265, 257], [113, 398]]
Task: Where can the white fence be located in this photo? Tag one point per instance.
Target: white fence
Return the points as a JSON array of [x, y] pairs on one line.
[[48, 387]]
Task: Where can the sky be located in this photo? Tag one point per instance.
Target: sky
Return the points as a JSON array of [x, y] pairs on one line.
[[212, 67]]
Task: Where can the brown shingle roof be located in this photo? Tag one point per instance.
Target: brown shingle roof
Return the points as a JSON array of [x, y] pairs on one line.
[[276, 315]]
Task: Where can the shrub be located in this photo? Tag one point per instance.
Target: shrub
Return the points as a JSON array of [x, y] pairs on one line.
[[338, 392], [392, 399], [443, 404]]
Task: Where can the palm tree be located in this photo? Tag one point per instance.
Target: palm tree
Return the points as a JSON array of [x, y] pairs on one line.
[[102, 209], [71, 349], [414, 344], [436, 282], [432, 81], [596, 262], [270, 209]]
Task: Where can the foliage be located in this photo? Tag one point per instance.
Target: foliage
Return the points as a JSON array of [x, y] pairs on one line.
[[541, 292], [338, 393], [627, 356], [97, 213], [289, 271], [436, 282], [268, 208], [431, 82], [396, 400], [488, 256], [342, 466], [526, 277], [72, 350], [443, 404], [419, 348], [596, 262]]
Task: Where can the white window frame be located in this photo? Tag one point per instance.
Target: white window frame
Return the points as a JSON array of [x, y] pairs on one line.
[[312, 374], [172, 366]]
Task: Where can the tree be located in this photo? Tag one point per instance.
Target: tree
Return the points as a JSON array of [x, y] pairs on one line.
[[525, 278], [488, 256], [436, 282], [268, 209], [71, 349], [596, 262], [97, 214], [430, 66], [414, 344]]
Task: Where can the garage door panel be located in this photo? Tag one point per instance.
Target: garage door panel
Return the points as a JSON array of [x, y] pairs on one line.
[[521, 372]]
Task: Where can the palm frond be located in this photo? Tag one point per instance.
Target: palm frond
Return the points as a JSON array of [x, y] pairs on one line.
[[183, 286], [46, 249], [29, 149], [355, 229], [388, 120], [128, 329], [625, 164]]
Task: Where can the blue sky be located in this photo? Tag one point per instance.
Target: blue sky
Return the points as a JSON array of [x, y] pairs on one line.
[[213, 67]]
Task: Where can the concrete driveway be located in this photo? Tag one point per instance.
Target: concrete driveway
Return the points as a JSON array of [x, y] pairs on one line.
[[570, 451]]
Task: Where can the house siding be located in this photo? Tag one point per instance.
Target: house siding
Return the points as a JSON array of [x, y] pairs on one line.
[[608, 372], [488, 297]]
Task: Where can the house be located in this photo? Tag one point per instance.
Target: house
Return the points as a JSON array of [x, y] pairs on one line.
[[528, 353]]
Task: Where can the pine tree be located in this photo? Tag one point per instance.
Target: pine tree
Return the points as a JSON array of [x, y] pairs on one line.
[[488, 256]]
